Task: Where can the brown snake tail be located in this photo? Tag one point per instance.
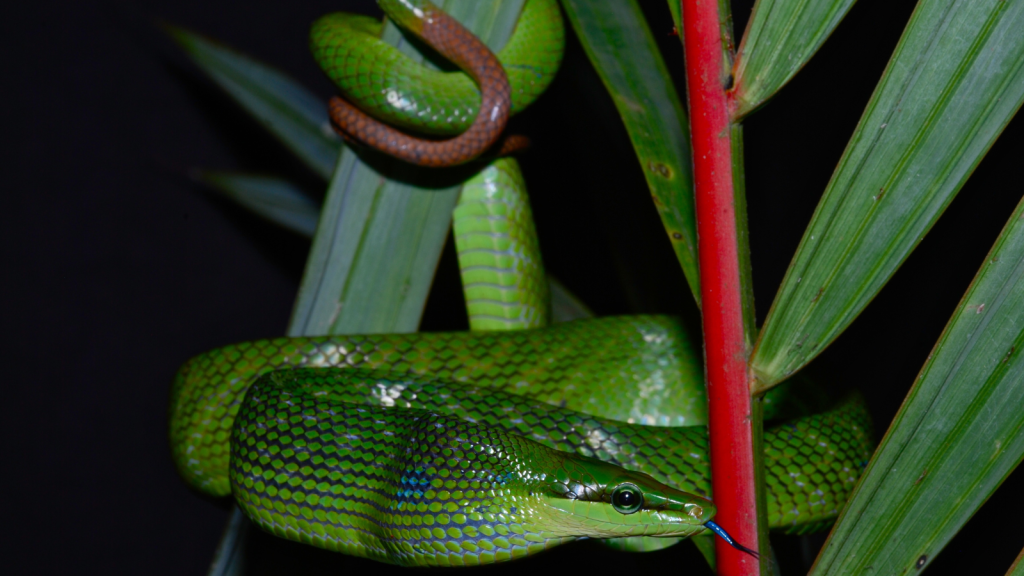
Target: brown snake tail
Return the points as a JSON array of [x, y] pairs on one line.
[[464, 49]]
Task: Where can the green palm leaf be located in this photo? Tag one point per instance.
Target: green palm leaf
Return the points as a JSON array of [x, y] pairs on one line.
[[955, 80], [957, 436]]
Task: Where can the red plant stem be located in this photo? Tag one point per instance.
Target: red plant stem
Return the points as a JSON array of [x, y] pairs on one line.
[[725, 350]]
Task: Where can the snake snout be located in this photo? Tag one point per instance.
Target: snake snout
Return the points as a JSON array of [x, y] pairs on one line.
[[664, 510], [690, 506], [600, 500]]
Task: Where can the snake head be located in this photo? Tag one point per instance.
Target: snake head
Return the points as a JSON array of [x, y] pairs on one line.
[[601, 500]]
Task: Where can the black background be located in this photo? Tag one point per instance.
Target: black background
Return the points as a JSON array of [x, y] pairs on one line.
[[116, 268]]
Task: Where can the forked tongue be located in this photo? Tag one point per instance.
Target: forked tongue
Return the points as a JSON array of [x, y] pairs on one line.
[[728, 539]]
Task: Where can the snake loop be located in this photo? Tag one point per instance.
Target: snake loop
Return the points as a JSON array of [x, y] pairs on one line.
[[464, 49], [391, 87]]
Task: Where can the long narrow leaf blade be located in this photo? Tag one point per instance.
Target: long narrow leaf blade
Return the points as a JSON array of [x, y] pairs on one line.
[[371, 269], [620, 46], [957, 436], [289, 111], [780, 38], [275, 199], [955, 80]]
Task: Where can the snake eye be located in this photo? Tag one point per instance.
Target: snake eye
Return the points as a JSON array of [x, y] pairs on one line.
[[627, 498]]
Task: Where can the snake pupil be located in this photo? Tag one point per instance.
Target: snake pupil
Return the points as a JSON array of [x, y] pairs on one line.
[[627, 499]]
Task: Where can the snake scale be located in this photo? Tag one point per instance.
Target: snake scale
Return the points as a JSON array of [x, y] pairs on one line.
[[453, 449]]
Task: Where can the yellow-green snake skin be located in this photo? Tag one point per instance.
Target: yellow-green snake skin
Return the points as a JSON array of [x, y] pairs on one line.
[[453, 449]]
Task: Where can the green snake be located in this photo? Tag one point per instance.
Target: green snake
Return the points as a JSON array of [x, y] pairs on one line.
[[465, 448]]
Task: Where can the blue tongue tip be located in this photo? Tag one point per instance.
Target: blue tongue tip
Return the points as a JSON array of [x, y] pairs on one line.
[[728, 539]]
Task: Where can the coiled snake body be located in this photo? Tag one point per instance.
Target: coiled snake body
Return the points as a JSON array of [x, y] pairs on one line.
[[466, 448]]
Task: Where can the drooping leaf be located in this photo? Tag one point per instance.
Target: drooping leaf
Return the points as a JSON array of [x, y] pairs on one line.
[[957, 436], [275, 199], [619, 44], [780, 38], [289, 111], [955, 80]]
